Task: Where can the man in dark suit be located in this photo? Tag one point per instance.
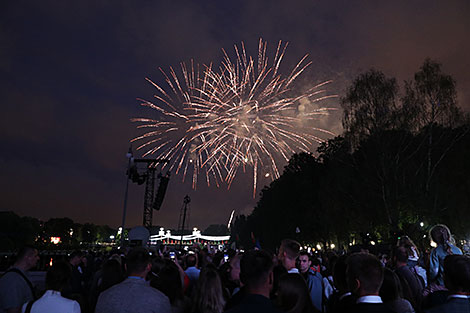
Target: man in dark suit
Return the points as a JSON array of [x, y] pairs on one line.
[[256, 273], [365, 275], [457, 280], [342, 299]]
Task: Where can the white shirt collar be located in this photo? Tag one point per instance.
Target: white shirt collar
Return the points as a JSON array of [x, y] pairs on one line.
[[458, 297], [293, 270], [369, 299], [50, 293], [344, 295]]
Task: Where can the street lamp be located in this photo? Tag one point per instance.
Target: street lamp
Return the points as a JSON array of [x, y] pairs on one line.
[[130, 158]]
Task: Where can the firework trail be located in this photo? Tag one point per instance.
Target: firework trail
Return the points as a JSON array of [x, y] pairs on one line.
[[218, 121]]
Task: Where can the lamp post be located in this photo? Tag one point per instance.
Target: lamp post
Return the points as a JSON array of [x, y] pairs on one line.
[[129, 157]]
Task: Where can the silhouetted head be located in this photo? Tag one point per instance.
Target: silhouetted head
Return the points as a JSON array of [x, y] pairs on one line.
[[391, 286], [27, 257], [400, 254], [457, 273], [288, 253], [339, 274], [293, 295], [364, 274], [191, 260], [58, 275], [209, 295], [138, 262], [440, 234], [256, 267]]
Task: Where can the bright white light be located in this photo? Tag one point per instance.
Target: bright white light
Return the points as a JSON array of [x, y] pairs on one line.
[[318, 247], [229, 224], [433, 244], [55, 240], [266, 175], [350, 244], [111, 237], [421, 224], [372, 243], [332, 246]]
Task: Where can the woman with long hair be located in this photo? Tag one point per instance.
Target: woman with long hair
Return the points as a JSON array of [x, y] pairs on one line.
[[391, 293], [209, 296], [441, 235], [293, 295], [168, 281], [409, 245]]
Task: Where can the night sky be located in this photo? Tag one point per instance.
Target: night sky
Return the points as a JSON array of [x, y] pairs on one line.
[[71, 73]]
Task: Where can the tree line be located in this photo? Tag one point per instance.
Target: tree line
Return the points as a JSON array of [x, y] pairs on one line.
[[15, 231], [400, 166]]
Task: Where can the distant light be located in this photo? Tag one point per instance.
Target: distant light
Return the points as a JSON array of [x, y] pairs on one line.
[[55, 240], [424, 236], [246, 159], [421, 224], [111, 237], [318, 247], [332, 246], [350, 244], [367, 234], [433, 244], [190, 161], [266, 175], [50, 262], [372, 243]]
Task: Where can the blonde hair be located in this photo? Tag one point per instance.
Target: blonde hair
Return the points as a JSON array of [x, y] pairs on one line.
[[441, 235], [209, 295]]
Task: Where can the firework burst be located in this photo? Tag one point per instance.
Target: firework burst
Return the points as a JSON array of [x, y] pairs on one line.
[[238, 116]]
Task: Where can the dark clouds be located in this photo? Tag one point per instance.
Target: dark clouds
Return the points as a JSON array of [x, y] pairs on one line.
[[71, 73]]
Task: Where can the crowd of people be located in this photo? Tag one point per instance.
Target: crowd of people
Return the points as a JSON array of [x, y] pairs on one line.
[[199, 280]]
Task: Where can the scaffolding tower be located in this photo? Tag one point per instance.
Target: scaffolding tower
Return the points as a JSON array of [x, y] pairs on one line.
[[184, 217]]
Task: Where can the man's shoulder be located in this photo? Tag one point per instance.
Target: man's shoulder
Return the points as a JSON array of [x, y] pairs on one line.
[[133, 284], [371, 308], [453, 305], [254, 303], [403, 271], [130, 293], [311, 274], [10, 279]]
